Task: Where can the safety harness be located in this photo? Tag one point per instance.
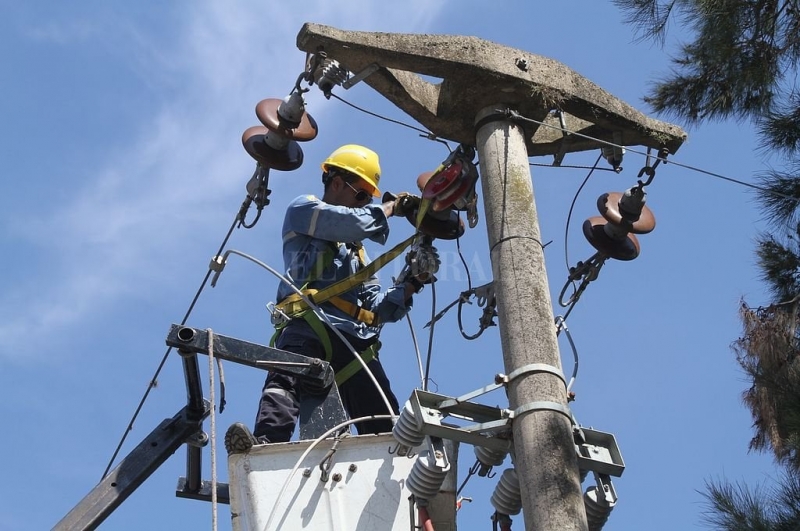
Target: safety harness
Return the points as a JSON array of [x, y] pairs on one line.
[[295, 306]]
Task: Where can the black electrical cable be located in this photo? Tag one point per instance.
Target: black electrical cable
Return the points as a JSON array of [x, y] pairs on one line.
[[430, 337], [572, 206], [426, 133], [463, 261], [515, 115], [154, 379]]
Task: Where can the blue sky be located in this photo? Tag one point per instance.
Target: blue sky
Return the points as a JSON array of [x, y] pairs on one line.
[[123, 169]]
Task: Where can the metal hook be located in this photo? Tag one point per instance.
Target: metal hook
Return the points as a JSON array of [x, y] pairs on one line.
[[304, 76], [650, 171], [325, 464]]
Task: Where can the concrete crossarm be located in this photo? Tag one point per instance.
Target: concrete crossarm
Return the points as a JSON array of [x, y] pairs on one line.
[[476, 74]]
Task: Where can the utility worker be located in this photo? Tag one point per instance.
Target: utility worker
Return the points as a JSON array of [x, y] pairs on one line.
[[322, 245]]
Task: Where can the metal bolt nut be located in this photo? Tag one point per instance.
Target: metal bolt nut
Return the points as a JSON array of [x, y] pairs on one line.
[[353, 468], [522, 64], [336, 477], [307, 473]]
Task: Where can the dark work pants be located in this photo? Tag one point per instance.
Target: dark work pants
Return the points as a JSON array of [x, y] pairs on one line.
[[279, 406]]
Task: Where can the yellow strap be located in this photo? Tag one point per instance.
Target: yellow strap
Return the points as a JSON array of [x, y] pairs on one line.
[[354, 366], [322, 333], [354, 310], [424, 206], [293, 304]]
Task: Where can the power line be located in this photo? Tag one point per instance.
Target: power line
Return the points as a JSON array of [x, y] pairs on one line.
[[686, 166], [431, 136]]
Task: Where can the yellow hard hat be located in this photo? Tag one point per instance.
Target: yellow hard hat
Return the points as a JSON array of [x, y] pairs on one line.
[[358, 160]]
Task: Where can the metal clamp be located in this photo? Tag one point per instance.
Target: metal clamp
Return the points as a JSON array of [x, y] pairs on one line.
[[542, 405], [528, 369]]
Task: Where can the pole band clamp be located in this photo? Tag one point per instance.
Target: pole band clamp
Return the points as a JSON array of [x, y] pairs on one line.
[[531, 368], [500, 115], [542, 405]]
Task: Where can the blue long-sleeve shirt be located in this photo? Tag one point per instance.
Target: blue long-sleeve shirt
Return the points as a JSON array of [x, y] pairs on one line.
[[311, 228]]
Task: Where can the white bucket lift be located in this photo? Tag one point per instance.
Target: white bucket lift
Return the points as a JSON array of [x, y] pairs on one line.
[[363, 488]]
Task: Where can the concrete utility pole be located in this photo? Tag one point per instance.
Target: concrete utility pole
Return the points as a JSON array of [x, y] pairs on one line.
[[481, 80], [545, 458]]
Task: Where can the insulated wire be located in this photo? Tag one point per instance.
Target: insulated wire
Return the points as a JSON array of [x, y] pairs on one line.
[[463, 261], [416, 349], [430, 337], [431, 136], [424, 132], [213, 429], [305, 454], [572, 206], [153, 380], [319, 313], [561, 324]]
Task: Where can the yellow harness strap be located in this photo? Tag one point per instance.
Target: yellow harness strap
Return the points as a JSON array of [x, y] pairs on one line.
[[319, 328], [293, 305], [354, 366]]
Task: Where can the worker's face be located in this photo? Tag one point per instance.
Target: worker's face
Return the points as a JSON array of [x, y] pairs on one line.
[[351, 194]]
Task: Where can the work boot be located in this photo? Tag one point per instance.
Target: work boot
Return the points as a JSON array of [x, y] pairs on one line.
[[239, 439]]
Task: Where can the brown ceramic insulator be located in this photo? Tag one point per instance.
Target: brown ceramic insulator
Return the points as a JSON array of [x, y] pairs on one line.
[[452, 194], [441, 180], [267, 112], [423, 179], [445, 225], [626, 248], [253, 140], [608, 205], [445, 192]]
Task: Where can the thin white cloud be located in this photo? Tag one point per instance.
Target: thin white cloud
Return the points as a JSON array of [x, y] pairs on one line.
[[171, 175]]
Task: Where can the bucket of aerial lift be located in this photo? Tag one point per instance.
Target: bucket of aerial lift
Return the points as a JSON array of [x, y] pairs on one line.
[[362, 487]]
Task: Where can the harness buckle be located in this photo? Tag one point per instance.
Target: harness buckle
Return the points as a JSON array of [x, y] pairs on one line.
[[277, 316]]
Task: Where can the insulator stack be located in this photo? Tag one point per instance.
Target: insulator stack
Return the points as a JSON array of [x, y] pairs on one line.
[[426, 477], [446, 191], [623, 216], [452, 185], [405, 430], [506, 498], [285, 123], [329, 74], [489, 458], [598, 508]]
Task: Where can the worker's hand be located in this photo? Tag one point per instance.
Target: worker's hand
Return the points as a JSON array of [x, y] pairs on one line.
[[402, 203]]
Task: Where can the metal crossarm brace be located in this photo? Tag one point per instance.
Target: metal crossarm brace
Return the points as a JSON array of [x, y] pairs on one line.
[[487, 420]]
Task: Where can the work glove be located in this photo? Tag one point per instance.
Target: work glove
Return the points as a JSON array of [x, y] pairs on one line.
[[422, 262], [427, 262], [404, 203]]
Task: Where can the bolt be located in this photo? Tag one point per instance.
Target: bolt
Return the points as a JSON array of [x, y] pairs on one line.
[[307, 473], [336, 477], [522, 64], [353, 468], [438, 454]]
